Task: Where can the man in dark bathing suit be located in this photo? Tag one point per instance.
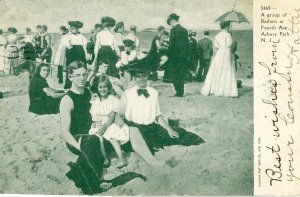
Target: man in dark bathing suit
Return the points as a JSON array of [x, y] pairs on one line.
[[87, 172]]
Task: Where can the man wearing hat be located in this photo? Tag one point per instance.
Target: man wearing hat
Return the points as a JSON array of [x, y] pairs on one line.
[[141, 110], [128, 55], [132, 36], [205, 47], [178, 53], [194, 55]]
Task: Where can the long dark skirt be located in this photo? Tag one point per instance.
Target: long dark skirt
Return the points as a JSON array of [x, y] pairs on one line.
[[87, 171], [76, 53], [156, 137], [45, 105], [106, 53]]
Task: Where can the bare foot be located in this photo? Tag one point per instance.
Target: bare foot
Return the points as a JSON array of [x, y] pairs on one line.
[[105, 186], [121, 163], [106, 163]]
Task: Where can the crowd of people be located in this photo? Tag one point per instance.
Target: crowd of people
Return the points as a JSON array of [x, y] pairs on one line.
[[114, 105]]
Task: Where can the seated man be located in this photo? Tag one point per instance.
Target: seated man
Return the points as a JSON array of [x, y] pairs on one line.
[[140, 107], [87, 171]]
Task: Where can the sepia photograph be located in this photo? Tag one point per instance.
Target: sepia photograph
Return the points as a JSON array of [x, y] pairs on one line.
[[121, 98]]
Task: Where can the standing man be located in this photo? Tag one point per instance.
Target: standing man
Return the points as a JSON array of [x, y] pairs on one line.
[[38, 40], [194, 54], [205, 52], [178, 53], [45, 45]]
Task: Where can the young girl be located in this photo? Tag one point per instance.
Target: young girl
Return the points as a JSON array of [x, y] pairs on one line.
[[101, 69], [103, 111]]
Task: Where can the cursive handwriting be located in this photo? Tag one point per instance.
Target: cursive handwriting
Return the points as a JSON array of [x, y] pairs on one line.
[[295, 22], [273, 103], [291, 160], [289, 117], [275, 174], [272, 67]]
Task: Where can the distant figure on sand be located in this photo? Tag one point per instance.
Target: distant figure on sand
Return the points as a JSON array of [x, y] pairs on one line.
[[91, 43], [43, 98], [205, 49], [159, 47], [29, 37], [3, 43], [119, 34], [106, 47], [178, 53], [221, 80], [74, 44], [76, 120], [132, 36], [46, 52], [60, 55], [38, 40], [194, 55], [11, 52]]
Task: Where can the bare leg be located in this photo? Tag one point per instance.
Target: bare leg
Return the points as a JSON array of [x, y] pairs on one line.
[[140, 147], [116, 144], [103, 152]]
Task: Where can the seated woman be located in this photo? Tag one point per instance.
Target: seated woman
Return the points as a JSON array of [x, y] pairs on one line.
[[140, 106], [43, 99], [157, 56]]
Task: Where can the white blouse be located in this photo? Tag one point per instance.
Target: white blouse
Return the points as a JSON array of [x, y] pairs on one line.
[[106, 38], [3, 40], [12, 39], [126, 58], [139, 109], [71, 39], [223, 40], [29, 38], [101, 109], [119, 39]]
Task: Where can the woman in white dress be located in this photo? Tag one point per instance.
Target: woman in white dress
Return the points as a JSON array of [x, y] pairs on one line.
[[12, 52], [3, 43], [221, 80]]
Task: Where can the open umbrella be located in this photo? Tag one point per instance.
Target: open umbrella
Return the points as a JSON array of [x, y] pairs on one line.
[[232, 16]]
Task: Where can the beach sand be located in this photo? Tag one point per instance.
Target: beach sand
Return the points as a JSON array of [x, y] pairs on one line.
[[34, 156]]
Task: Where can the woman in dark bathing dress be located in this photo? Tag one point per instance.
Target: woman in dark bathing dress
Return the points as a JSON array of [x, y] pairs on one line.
[[43, 99]]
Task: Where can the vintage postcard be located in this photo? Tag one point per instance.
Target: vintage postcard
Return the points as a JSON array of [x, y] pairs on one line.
[[112, 97]]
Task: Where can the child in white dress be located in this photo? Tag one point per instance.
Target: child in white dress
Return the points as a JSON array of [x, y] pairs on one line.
[[103, 110]]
